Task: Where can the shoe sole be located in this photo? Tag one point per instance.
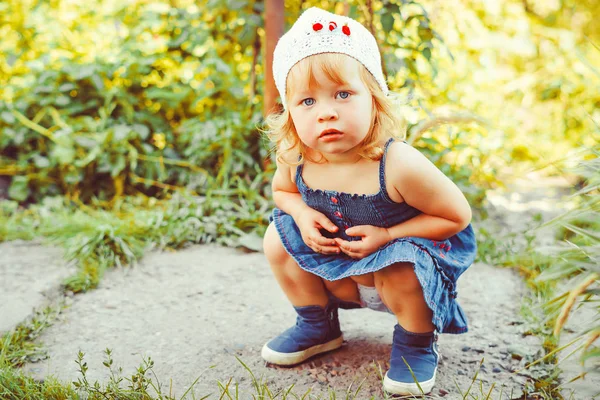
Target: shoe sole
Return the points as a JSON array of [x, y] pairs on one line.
[[394, 387], [277, 358]]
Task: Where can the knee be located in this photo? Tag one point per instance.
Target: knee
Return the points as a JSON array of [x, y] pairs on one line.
[[399, 277], [273, 248]]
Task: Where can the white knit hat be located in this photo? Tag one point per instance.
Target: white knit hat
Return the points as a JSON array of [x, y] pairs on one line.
[[318, 31]]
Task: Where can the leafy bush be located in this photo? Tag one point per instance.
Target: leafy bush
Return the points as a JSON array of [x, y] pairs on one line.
[[576, 258], [161, 104], [153, 98]]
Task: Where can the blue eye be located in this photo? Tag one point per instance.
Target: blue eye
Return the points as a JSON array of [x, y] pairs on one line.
[[308, 102], [343, 95]]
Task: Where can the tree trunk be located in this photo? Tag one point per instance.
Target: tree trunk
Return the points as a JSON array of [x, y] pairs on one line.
[[4, 185], [274, 26]]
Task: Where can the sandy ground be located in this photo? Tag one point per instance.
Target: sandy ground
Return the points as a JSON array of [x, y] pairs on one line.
[[196, 311]]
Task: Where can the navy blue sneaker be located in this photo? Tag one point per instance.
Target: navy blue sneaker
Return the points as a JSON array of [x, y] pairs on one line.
[[420, 352], [317, 330]]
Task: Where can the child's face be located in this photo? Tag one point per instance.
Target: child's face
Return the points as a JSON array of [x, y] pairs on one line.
[[330, 117]]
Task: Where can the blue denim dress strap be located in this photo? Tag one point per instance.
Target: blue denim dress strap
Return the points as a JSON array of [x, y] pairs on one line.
[[382, 183], [299, 174]]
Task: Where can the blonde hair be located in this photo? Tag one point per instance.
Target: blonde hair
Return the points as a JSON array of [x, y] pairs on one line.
[[385, 120]]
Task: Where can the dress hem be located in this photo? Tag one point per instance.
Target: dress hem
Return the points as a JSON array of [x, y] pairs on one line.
[[437, 320]]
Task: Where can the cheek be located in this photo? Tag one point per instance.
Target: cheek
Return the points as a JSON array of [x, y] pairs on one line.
[[365, 113], [296, 116], [300, 121]]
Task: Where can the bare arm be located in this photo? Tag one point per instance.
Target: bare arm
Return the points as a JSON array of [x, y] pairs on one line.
[[309, 221], [285, 193], [423, 186]]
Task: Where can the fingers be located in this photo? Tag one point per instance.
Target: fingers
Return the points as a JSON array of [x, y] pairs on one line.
[[352, 249], [317, 239], [321, 244], [359, 230], [322, 240], [327, 224], [326, 249], [352, 254], [354, 246]]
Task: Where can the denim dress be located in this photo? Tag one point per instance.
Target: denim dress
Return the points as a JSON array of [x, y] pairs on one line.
[[437, 264]]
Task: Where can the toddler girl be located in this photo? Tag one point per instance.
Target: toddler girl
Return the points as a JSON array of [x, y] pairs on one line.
[[362, 219]]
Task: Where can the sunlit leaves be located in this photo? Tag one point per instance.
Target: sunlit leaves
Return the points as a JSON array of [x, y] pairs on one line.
[[103, 91]]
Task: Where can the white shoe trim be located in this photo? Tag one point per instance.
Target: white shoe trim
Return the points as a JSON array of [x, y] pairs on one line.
[[394, 387], [275, 357]]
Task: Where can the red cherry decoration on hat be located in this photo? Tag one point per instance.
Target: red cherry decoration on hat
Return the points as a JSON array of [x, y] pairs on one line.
[[317, 27], [346, 30], [332, 25]]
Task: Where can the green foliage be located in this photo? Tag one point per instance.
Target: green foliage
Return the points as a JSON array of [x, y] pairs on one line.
[[97, 238], [15, 385], [168, 97], [576, 258], [139, 386], [144, 384], [161, 102], [523, 67], [17, 346], [572, 263]]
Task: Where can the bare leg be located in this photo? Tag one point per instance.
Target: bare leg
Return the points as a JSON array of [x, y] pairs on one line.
[[401, 292], [344, 289], [347, 289], [301, 288], [317, 328], [365, 280]]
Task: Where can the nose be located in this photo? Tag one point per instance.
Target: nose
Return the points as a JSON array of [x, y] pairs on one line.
[[327, 113]]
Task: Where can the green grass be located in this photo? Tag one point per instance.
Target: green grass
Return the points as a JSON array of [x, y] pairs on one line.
[[142, 383], [518, 250], [99, 237], [572, 259], [18, 346], [16, 386]]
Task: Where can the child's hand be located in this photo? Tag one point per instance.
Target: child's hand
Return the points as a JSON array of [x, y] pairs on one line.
[[309, 222], [373, 237]]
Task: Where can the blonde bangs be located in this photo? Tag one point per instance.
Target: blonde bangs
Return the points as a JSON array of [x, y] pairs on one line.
[[302, 75]]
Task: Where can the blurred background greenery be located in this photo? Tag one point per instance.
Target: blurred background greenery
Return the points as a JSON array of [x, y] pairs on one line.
[[129, 124], [111, 98]]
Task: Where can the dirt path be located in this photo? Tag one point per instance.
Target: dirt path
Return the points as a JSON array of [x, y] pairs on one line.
[[194, 311], [30, 276], [200, 307]]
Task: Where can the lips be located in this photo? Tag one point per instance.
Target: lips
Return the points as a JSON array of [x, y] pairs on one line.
[[329, 132], [330, 135]]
